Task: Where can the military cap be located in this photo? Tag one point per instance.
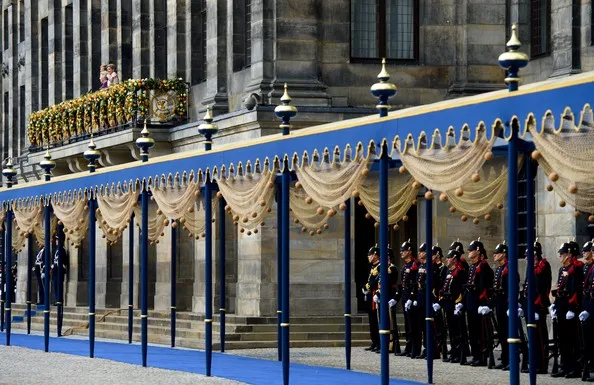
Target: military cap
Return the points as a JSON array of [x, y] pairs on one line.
[[587, 246], [423, 247], [476, 245], [407, 246], [436, 250], [537, 248], [501, 248], [565, 248], [575, 248], [374, 250], [454, 253], [457, 244]]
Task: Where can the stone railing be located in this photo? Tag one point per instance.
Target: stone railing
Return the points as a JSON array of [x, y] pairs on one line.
[[120, 105]]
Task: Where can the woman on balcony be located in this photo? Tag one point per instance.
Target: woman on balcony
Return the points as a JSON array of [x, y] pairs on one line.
[[112, 75], [103, 76]]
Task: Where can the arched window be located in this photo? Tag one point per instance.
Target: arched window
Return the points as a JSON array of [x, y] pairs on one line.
[[384, 28]]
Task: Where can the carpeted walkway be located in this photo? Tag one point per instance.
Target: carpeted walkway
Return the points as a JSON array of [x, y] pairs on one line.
[[244, 369]]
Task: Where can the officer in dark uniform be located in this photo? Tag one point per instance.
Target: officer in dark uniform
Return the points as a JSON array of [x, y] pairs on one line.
[[59, 271], [543, 277], [500, 298], [450, 295], [566, 307], [39, 269], [441, 271], [15, 275], [369, 291], [585, 315], [407, 290], [457, 245], [477, 298], [425, 267], [392, 288]]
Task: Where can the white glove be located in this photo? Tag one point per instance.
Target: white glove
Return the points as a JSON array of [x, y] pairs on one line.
[[407, 305], [459, 307], [520, 312], [552, 308], [584, 316], [376, 299], [536, 317], [456, 312], [480, 310], [364, 291], [569, 315], [392, 302], [42, 275], [436, 307], [553, 314], [486, 310], [414, 303]]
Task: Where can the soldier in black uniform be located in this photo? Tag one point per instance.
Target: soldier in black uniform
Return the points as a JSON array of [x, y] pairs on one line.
[[477, 298], [587, 310], [450, 294], [38, 269], [440, 272], [500, 298], [425, 267], [543, 277], [407, 291], [392, 288], [15, 275], [567, 303], [59, 276], [369, 291], [457, 245]]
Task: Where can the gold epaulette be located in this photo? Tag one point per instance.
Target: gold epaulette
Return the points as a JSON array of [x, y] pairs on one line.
[[459, 299], [367, 286]]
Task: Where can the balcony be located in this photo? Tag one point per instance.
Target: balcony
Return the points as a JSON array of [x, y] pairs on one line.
[[158, 103]]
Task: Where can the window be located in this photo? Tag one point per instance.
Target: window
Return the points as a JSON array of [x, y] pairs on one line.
[[540, 29], [242, 34], [198, 41], [576, 34], [384, 28], [22, 21], [522, 210], [5, 29]]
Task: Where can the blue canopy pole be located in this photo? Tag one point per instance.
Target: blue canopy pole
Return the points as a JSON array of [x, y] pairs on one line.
[[29, 269], [222, 272], [512, 237], [279, 271], [173, 281], [60, 285], [347, 283], [208, 272], [429, 283], [286, 180], [46, 272], [92, 252], [8, 273], [130, 279], [530, 318], [144, 273], [383, 243]]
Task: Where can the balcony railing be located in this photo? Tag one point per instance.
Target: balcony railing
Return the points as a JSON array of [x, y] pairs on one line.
[[119, 106]]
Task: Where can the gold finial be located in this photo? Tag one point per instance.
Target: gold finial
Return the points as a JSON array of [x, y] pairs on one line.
[[513, 40], [286, 98], [383, 75]]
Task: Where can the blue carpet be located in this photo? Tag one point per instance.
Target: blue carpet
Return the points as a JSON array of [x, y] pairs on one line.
[[250, 370]]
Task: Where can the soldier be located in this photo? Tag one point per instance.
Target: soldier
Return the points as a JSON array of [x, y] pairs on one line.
[[59, 276], [441, 271], [457, 245], [392, 288], [369, 291], [14, 273], [587, 309], [476, 298], [38, 269], [407, 291], [450, 295], [419, 300], [500, 296], [567, 303], [542, 280]]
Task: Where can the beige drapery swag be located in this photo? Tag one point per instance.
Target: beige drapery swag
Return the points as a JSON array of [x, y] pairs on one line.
[[447, 167], [114, 211], [73, 213], [249, 196], [566, 155], [29, 220]]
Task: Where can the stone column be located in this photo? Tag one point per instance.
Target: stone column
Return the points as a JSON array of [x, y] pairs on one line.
[[140, 39], [198, 300], [96, 42], [126, 268], [100, 268], [81, 47], [109, 32], [216, 52], [72, 285], [124, 38], [68, 53], [21, 284], [55, 51], [31, 58], [163, 283], [176, 40]]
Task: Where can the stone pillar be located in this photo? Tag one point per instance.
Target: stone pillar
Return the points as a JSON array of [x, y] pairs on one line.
[[72, 286], [109, 32], [126, 268], [68, 53], [31, 57], [163, 282], [21, 284], [96, 42], [141, 42], [198, 300], [176, 40], [81, 47], [561, 37], [216, 52], [124, 38], [55, 51], [100, 268], [262, 69]]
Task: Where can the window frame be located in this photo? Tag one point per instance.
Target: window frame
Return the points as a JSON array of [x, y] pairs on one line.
[[546, 51], [381, 39]]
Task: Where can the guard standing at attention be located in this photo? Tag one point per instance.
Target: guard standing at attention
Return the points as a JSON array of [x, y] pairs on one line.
[[369, 291], [407, 290]]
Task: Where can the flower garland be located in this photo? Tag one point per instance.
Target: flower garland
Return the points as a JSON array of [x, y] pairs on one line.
[[103, 109]]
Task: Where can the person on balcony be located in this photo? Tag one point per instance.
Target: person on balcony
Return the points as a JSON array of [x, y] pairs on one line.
[[112, 75], [103, 76]]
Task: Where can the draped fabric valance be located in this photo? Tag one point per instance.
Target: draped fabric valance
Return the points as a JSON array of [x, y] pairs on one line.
[[74, 215]]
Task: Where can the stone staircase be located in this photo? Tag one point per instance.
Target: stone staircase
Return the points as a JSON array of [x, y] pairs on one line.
[[241, 332]]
